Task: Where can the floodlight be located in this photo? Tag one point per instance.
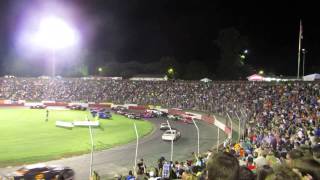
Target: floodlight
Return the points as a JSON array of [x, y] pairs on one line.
[[170, 71], [54, 33]]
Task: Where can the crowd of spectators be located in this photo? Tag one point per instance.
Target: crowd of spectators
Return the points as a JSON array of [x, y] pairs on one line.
[[281, 121]]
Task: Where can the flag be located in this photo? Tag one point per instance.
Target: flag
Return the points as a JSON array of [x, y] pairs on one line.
[[301, 35]]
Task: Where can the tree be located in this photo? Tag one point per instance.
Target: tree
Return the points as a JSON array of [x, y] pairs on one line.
[[195, 70], [168, 62], [230, 43], [21, 66]]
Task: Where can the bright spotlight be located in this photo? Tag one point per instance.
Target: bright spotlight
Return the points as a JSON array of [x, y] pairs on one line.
[[55, 33]]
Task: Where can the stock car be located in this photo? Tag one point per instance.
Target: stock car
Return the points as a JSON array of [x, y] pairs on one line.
[[101, 112], [38, 106], [147, 114], [171, 135], [98, 110], [157, 113], [174, 117], [94, 111], [103, 115], [41, 172], [164, 126], [118, 108], [77, 107], [121, 112], [133, 116]]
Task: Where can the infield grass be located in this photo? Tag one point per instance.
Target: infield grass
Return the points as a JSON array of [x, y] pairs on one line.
[[25, 136]]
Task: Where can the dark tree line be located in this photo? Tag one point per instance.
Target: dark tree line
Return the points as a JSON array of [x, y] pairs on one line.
[[229, 65]]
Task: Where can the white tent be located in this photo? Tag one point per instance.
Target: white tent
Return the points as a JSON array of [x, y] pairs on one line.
[[311, 77], [255, 77], [205, 80]]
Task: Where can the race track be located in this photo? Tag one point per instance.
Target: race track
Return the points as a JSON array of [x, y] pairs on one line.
[[120, 160]]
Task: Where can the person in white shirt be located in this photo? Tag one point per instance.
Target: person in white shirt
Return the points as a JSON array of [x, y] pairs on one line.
[[261, 159]]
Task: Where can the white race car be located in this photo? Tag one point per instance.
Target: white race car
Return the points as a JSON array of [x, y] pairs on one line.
[[170, 135], [164, 126]]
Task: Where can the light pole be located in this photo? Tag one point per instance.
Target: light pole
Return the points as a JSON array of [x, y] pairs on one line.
[[137, 145], [171, 154], [92, 148], [230, 124], [218, 141], [303, 60], [198, 134], [261, 72]]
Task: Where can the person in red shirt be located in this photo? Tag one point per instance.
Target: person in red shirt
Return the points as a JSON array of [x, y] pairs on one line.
[[251, 165]]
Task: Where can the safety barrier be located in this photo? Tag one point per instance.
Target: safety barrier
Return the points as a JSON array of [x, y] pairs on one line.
[[210, 119], [176, 111], [54, 103], [6, 102]]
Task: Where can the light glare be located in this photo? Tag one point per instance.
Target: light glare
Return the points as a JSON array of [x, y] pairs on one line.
[[54, 33]]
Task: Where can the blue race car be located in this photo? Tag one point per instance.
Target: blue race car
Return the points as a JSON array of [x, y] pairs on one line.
[[101, 115], [104, 115]]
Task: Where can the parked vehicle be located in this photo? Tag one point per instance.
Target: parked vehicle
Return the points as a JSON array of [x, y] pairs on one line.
[[174, 117], [77, 107], [133, 116], [38, 107], [147, 114]]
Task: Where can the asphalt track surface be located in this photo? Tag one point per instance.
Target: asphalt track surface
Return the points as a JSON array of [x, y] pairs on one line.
[[119, 160]]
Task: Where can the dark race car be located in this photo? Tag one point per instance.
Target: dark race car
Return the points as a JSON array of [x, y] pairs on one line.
[[42, 172], [38, 107], [118, 108], [77, 107]]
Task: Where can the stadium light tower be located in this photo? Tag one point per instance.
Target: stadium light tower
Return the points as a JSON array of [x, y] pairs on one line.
[[261, 72], [54, 34]]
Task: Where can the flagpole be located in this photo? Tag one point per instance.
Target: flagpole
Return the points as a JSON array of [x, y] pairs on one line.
[[299, 50]]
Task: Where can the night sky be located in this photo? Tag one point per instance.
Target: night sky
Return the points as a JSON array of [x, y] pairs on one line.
[[146, 30]]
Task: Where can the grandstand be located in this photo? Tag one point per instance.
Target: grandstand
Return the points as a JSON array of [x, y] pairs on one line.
[[277, 123]]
